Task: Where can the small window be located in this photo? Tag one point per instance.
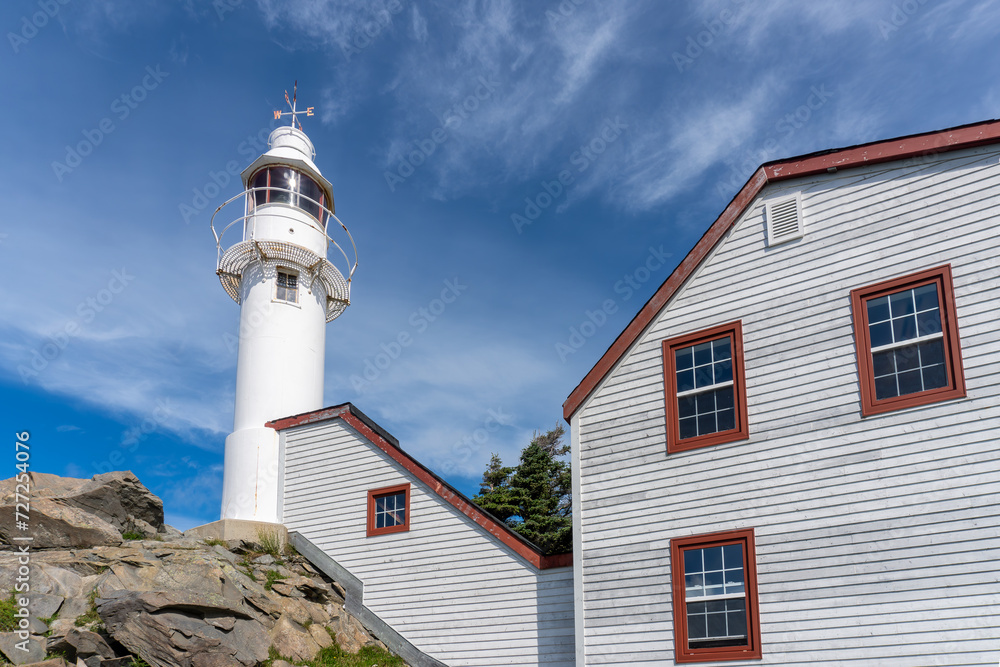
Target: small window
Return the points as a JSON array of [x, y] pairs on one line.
[[389, 510], [906, 336], [705, 389], [287, 287], [714, 579]]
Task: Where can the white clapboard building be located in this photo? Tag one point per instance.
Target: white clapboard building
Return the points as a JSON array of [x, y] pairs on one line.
[[454, 582], [791, 455]]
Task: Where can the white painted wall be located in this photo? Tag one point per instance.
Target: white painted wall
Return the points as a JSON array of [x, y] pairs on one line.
[[877, 539], [446, 585]]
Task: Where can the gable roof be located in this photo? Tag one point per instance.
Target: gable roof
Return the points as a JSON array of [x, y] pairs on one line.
[[381, 438], [901, 148]]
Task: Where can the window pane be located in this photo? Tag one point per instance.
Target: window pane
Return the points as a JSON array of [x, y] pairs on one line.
[[732, 555], [885, 387], [926, 297], [723, 398], [878, 310], [713, 558], [688, 427], [717, 625], [929, 322], [737, 618], [883, 363], [907, 358], [707, 424], [724, 371], [901, 303], [703, 376], [880, 334], [684, 358], [725, 420], [934, 377], [260, 181], [932, 353], [722, 349], [686, 406], [282, 180], [309, 188], [909, 382], [904, 328], [714, 582], [685, 380], [703, 354]]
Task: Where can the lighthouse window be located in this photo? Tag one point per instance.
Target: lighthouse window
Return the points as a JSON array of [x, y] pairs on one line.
[[288, 287], [284, 185]]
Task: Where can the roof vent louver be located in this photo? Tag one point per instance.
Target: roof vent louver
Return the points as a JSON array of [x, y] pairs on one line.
[[784, 220]]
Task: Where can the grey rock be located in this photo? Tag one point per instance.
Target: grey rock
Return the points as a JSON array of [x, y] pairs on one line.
[[73, 607], [44, 606], [293, 641], [264, 559], [87, 644], [170, 533], [54, 662], [56, 524], [281, 663], [9, 641], [37, 626], [169, 628], [117, 496], [225, 553]]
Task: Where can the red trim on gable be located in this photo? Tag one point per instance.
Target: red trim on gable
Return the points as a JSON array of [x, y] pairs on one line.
[[495, 528], [930, 143]]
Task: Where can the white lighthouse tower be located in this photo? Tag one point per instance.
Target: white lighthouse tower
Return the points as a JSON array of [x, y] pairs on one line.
[[279, 272]]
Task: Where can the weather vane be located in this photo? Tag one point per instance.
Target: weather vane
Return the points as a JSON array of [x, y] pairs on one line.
[[291, 103]]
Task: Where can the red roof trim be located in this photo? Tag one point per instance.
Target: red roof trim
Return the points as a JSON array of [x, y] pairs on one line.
[[918, 145], [375, 435]]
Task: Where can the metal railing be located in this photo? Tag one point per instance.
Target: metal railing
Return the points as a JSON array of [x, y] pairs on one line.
[[249, 217]]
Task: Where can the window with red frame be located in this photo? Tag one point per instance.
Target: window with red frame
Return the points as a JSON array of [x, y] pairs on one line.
[[705, 388], [714, 580], [389, 510], [906, 336]]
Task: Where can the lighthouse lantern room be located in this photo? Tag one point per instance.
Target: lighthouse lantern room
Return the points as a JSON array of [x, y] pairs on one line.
[[279, 272]]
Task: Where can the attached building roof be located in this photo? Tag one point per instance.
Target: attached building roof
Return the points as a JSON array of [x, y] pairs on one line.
[[901, 148], [381, 438]]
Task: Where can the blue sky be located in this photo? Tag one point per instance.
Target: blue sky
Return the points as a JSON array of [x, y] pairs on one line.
[[555, 160]]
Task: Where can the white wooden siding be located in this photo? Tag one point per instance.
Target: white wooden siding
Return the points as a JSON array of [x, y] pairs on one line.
[[877, 539], [446, 584]]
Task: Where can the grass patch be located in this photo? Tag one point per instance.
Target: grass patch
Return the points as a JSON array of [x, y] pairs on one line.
[[270, 542], [133, 535], [215, 542], [368, 656], [272, 576], [8, 622], [90, 616], [334, 656]]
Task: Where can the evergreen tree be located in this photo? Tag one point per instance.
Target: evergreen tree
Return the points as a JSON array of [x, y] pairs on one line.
[[535, 497], [495, 495]]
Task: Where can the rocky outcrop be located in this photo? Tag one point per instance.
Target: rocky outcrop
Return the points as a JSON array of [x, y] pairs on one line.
[[174, 601], [69, 512]]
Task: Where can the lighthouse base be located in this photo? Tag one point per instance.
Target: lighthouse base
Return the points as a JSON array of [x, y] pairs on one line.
[[237, 529], [250, 481]]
